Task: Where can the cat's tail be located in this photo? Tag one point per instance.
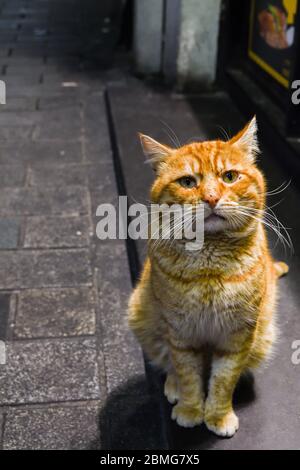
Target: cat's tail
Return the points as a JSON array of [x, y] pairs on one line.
[[281, 268]]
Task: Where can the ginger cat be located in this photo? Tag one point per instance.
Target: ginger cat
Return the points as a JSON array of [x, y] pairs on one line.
[[218, 302]]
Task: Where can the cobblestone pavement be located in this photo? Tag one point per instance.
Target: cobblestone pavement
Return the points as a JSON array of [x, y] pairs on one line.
[[74, 375]]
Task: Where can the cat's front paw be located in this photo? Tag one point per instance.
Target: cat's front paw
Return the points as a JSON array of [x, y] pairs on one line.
[[171, 389], [223, 425], [188, 416]]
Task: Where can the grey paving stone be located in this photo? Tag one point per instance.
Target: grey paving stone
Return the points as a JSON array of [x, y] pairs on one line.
[[1, 428], [59, 124], [98, 148], [28, 50], [55, 427], [60, 101], [14, 81], [64, 369], [65, 37], [96, 128], [40, 152], [33, 72], [114, 287], [7, 37], [63, 62], [26, 62], [116, 348], [49, 371], [118, 341], [101, 175], [11, 154], [15, 6], [9, 133], [12, 175], [8, 25], [70, 200], [60, 75], [51, 232], [59, 175], [9, 274], [29, 27], [98, 145], [99, 196], [4, 52], [4, 314], [111, 260], [23, 118], [103, 189], [25, 38], [35, 89], [9, 233], [54, 268], [53, 53], [55, 312]]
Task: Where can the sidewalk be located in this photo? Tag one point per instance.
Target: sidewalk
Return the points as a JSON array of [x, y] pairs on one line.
[[74, 376], [265, 404]]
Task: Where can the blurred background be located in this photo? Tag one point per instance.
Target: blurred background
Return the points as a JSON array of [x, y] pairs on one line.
[[79, 79]]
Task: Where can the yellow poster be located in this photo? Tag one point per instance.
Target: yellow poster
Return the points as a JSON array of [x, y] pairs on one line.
[[272, 37]]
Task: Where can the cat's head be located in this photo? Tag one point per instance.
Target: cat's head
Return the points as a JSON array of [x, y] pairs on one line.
[[221, 175]]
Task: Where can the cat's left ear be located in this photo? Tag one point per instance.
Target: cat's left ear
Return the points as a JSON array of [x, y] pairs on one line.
[[246, 140], [155, 152]]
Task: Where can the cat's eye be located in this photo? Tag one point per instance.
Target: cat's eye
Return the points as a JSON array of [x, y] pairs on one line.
[[187, 182], [230, 177]]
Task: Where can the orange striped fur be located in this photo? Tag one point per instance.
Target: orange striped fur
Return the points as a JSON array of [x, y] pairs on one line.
[[217, 303]]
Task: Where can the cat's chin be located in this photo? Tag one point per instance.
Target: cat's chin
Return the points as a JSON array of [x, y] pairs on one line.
[[215, 223]]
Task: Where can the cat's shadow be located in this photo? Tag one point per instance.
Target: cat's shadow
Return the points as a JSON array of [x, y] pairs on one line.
[[132, 419], [200, 437], [137, 416]]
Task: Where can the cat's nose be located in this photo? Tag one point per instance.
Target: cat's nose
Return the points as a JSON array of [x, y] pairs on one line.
[[212, 200]]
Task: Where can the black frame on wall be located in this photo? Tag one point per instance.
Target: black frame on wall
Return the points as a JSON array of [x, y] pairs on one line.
[[233, 56]]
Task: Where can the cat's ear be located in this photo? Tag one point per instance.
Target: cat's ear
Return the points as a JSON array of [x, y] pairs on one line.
[[155, 152], [246, 140]]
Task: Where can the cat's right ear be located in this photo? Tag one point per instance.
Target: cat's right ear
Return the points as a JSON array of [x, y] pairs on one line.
[[155, 152]]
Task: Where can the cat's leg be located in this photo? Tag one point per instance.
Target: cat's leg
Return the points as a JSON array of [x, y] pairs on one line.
[[225, 373], [171, 389], [281, 268], [189, 410]]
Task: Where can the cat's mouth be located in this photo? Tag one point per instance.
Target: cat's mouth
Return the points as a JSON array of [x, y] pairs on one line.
[[214, 217]]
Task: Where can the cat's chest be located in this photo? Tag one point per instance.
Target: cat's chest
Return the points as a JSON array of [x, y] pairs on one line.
[[204, 312], [204, 320], [204, 308], [203, 295], [206, 326]]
